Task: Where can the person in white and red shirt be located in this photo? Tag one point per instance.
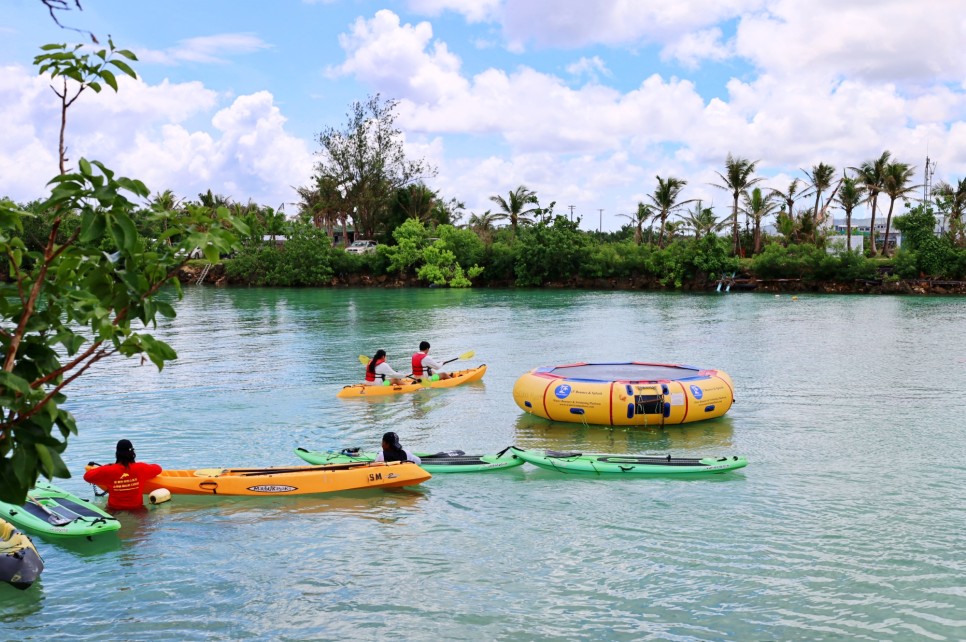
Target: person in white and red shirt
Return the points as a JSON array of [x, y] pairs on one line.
[[423, 363]]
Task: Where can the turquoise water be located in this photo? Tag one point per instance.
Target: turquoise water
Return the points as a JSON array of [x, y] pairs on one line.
[[848, 522]]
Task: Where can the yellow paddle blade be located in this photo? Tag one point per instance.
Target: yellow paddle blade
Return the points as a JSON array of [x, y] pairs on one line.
[[467, 355], [363, 359]]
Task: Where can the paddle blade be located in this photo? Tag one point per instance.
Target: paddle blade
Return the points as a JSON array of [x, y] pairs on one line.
[[467, 355], [363, 359]]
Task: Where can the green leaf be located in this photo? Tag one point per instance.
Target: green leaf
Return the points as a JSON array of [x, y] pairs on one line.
[[127, 53], [13, 382], [108, 77], [52, 47], [93, 225], [124, 67]]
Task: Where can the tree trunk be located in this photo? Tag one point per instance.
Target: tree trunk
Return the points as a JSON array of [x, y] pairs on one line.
[[885, 243], [734, 226], [875, 198]]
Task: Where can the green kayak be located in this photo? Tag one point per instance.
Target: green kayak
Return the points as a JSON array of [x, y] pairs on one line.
[[596, 464], [53, 512], [455, 461]]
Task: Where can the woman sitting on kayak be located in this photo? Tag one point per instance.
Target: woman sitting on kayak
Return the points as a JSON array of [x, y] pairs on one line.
[[393, 451], [380, 373]]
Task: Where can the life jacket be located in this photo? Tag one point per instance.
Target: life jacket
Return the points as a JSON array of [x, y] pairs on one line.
[[370, 374], [418, 364]]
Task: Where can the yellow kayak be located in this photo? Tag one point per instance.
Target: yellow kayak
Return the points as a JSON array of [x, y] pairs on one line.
[[20, 563], [457, 378], [292, 480]]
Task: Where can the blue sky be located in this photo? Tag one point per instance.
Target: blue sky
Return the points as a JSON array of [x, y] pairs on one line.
[[585, 102]]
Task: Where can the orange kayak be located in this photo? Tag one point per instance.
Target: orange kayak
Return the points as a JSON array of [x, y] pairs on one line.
[[296, 480]]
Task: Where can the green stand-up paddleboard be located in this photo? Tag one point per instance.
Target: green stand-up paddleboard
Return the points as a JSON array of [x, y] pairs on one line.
[[55, 513], [627, 465], [455, 461]]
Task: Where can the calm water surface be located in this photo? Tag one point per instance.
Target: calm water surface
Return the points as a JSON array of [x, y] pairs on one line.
[[848, 523]]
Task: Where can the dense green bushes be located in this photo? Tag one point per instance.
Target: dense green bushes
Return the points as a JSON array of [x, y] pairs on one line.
[[557, 251]]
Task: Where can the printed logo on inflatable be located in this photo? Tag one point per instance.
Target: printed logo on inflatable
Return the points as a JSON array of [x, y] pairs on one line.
[[697, 392], [562, 391]]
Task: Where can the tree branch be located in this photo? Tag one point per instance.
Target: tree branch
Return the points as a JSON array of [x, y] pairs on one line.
[[64, 5]]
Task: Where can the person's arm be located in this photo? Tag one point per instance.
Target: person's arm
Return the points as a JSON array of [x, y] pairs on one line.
[[148, 471], [413, 458], [97, 474], [432, 364], [385, 369]]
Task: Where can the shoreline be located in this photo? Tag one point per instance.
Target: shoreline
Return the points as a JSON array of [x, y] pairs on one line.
[[914, 287]]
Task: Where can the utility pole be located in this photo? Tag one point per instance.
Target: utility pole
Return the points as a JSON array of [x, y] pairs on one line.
[[571, 212], [600, 221], [927, 183]]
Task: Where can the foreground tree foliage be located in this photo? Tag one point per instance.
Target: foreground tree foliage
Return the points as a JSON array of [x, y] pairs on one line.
[[80, 284], [79, 301]]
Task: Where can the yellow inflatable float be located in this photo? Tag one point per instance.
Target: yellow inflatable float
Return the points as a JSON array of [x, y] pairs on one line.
[[624, 394]]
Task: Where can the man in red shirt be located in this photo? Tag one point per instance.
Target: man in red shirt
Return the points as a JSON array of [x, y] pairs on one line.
[[123, 479]]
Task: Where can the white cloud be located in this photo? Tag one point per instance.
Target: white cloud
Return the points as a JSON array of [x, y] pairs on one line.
[[143, 132], [473, 10], [600, 147], [576, 23], [692, 48], [205, 49], [400, 58], [593, 68]]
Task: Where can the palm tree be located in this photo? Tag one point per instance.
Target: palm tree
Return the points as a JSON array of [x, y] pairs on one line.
[[870, 174], [665, 199], [702, 221], [820, 179], [737, 178], [955, 200], [757, 206], [515, 208], [850, 195], [787, 226], [482, 224], [895, 183], [639, 219], [789, 196]]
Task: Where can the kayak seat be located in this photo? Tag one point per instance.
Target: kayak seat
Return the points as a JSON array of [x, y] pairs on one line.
[[562, 454], [210, 472]]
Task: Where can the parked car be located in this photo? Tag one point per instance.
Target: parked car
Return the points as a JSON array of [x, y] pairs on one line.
[[361, 247]]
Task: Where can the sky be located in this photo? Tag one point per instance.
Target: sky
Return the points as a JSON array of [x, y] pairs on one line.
[[585, 102]]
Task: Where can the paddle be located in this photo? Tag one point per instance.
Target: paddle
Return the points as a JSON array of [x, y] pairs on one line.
[[463, 357], [52, 517]]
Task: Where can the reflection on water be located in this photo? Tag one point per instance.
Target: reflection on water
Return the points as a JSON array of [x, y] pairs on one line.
[[714, 437], [16, 604]]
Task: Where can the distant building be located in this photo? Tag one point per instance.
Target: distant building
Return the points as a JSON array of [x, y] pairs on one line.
[[278, 239], [862, 227]]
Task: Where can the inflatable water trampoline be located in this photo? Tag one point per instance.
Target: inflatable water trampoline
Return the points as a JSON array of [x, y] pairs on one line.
[[624, 394]]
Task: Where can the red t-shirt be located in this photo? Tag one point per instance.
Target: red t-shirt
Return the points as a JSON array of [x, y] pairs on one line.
[[123, 483]]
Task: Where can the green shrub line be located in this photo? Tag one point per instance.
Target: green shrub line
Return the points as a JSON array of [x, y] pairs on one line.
[[557, 252]]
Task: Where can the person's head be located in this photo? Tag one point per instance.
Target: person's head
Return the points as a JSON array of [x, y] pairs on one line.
[[380, 354], [124, 453], [423, 346], [391, 449], [390, 440]]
